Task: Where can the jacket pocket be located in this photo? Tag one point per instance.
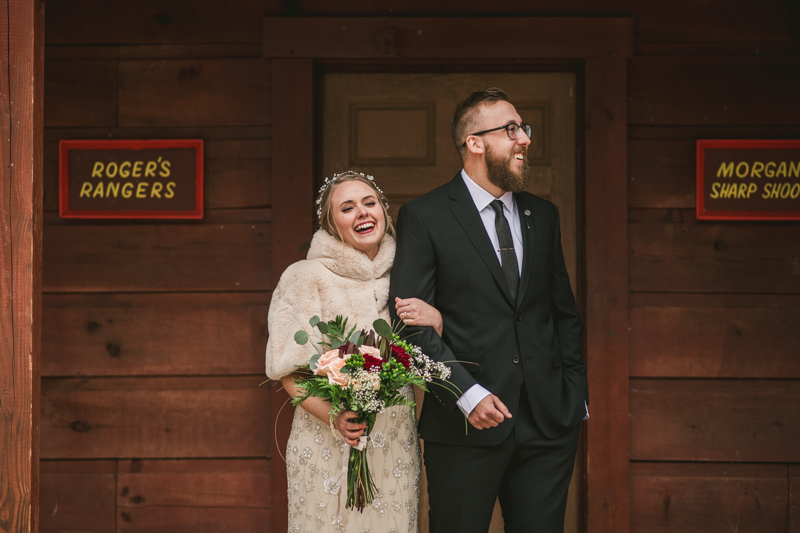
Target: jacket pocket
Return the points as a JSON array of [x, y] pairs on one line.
[[558, 359], [470, 361]]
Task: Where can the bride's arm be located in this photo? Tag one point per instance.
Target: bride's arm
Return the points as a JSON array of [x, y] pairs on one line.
[[322, 408], [415, 312]]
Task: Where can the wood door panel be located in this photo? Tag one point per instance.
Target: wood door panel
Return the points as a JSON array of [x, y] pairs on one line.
[[81, 93], [77, 496], [708, 498], [154, 417], [715, 420], [151, 334], [694, 257], [167, 257], [706, 339], [794, 498]]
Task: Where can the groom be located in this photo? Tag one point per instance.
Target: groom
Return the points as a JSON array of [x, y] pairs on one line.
[[488, 256]]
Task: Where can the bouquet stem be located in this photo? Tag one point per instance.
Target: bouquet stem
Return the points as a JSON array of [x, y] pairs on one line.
[[360, 486]]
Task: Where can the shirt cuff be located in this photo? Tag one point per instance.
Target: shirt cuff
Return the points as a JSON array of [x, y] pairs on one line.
[[587, 411], [471, 398]]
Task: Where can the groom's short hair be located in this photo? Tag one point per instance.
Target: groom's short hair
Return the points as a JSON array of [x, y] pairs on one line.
[[467, 111]]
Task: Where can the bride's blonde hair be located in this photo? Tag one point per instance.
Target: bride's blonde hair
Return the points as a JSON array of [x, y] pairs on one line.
[[325, 209]]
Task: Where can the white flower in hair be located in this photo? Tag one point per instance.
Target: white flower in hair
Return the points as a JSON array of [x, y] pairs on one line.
[[329, 182]]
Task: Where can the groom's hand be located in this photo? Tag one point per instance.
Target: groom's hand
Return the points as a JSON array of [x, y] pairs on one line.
[[488, 413]]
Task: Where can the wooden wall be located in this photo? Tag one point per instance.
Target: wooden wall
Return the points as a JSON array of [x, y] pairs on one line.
[[153, 333]]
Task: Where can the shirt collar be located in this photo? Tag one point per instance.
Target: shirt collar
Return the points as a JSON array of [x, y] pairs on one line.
[[482, 198]]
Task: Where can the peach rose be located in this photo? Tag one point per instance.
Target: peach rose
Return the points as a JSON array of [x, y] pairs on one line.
[[335, 377], [370, 350], [330, 364]]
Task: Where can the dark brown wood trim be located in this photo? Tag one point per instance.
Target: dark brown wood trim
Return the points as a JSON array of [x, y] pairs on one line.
[[431, 37], [292, 223], [608, 468], [21, 145]]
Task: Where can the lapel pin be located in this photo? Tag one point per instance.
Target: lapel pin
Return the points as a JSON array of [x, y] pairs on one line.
[[527, 213]]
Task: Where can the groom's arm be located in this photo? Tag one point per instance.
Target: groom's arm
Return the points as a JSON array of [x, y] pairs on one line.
[[414, 276]]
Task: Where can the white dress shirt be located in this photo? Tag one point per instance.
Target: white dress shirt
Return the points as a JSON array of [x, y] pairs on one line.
[[483, 199]]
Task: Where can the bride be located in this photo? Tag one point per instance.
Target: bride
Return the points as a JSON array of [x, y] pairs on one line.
[[346, 273]]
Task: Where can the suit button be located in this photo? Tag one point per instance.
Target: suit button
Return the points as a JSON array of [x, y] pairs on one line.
[[515, 359], [519, 318]]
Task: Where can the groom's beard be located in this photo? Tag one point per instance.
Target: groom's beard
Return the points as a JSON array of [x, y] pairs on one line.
[[499, 173]]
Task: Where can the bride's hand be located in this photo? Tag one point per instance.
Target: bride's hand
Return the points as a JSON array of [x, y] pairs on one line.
[[351, 431], [415, 312]]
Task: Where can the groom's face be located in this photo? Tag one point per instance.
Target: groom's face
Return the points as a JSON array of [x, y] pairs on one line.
[[506, 159]]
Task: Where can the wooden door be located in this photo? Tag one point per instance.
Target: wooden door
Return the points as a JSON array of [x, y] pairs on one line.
[[397, 128]]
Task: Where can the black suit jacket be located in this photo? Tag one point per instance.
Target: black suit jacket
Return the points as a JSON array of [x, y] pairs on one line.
[[445, 258]]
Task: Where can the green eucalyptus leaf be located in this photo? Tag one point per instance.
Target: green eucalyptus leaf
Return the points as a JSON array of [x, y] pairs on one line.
[[382, 328], [322, 327], [355, 337], [314, 320], [312, 364], [336, 344], [301, 337]]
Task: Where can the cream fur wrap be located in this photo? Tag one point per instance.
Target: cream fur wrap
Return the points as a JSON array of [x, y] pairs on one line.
[[335, 279]]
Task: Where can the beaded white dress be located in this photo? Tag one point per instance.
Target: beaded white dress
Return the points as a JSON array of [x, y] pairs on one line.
[[337, 279]]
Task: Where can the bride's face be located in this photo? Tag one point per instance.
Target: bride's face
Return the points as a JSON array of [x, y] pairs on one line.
[[358, 216]]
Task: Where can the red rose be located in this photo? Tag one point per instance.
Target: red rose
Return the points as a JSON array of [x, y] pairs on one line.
[[401, 356], [371, 363]]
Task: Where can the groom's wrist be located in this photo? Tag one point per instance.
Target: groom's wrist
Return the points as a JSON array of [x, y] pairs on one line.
[[471, 398]]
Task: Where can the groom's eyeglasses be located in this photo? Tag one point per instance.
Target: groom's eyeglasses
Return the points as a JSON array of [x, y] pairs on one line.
[[512, 130]]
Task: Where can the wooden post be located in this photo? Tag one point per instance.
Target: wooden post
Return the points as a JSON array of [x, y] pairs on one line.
[[607, 454], [21, 92]]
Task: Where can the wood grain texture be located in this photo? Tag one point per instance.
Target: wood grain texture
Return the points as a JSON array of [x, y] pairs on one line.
[[661, 174], [148, 484], [21, 95], [426, 38], [168, 22], [721, 91], [688, 256], [154, 417], [152, 334], [293, 171], [606, 295], [742, 337], [193, 520], [164, 257], [197, 92], [715, 420], [81, 93], [794, 498], [78, 495], [708, 498]]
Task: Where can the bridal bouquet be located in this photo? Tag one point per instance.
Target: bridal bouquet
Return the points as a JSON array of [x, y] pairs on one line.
[[364, 371]]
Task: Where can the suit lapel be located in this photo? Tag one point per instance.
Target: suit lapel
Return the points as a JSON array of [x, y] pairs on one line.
[[463, 207], [528, 243]]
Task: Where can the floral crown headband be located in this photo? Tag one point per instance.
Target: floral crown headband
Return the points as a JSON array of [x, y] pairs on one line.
[[332, 180]]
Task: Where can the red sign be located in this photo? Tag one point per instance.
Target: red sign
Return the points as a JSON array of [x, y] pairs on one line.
[[131, 179], [748, 180]]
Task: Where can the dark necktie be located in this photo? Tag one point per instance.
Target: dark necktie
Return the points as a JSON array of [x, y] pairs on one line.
[[508, 258]]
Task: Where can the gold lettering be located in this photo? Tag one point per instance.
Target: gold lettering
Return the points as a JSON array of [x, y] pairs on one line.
[[758, 166], [766, 190], [112, 188], [725, 170], [795, 190], [781, 170], [170, 192], [98, 191], [155, 190], [124, 173], [785, 189], [165, 169], [776, 190], [742, 190], [751, 189], [97, 171], [86, 188], [746, 169], [141, 190], [150, 170], [714, 190], [108, 169], [767, 172], [794, 170], [127, 190], [137, 170]]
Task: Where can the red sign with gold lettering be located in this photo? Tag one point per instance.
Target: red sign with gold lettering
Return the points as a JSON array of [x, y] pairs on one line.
[[748, 180], [131, 179]]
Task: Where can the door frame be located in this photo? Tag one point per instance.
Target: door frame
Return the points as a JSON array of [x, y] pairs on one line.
[[602, 46]]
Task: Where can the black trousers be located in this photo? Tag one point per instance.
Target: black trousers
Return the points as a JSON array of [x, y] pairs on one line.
[[529, 472]]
